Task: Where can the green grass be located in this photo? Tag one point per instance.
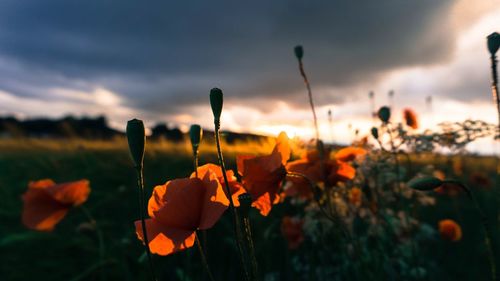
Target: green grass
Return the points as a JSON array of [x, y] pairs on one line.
[[70, 253]]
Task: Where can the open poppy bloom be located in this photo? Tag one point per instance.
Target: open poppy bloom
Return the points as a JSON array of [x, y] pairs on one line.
[[235, 187], [291, 228], [310, 166], [450, 230], [262, 175], [179, 208], [47, 203]]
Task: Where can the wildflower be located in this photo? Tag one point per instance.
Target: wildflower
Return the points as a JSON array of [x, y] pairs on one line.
[[47, 203], [292, 230], [349, 153], [236, 188], [262, 175], [410, 118], [179, 208], [450, 230], [355, 196], [310, 166]]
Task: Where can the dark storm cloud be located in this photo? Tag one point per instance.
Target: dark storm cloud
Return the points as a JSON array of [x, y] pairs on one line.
[[160, 54]]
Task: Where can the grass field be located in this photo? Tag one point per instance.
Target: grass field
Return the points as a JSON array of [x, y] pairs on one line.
[[74, 250]]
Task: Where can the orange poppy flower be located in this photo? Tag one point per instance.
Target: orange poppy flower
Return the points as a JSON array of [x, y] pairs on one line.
[[262, 175], [292, 230], [450, 230], [349, 153], [355, 196], [310, 166], [47, 203], [180, 207], [235, 187], [410, 118]]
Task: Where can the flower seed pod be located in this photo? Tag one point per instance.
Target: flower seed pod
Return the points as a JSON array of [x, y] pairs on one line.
[[136, 136], [245, 203], [216, 101], [195, 134], [493, 42], [384, 113], [425, 183], [299, 52], [375, 133]]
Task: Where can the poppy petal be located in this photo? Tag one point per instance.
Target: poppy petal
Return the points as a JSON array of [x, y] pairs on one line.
[[72, 193], [165, 240], [178, 203], [40, 211], [264, 203], [349, 153], [41, 184], [282, 147], [215, 201]]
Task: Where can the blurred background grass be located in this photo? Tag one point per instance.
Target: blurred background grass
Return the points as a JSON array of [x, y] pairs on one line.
[[71, 252]]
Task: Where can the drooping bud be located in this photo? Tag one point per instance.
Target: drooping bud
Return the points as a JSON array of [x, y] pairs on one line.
[[216, 101], [195, 134], [493, 42], [375, 133], [136, 136], [425, 183], [299, 52], [384, 113], [245, 203]]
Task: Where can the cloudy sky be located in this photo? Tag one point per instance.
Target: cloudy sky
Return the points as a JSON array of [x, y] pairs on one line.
[[158, 60]]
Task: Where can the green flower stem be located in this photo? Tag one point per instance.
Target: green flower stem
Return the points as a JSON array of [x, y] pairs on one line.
[[203, 258], [494, 86], [309, 93], [100, 237], [203, 232], [251, 248], [142, 206], [236, 220], [485, 225]]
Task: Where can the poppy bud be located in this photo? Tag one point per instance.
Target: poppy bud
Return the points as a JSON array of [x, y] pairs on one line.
[[195, 134], [136, 136], [493, 42], [216, 101], [375, 133], [299, 52], [245, 203], [425, 183], [384, 113]]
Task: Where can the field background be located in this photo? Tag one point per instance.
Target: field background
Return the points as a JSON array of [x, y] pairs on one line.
[[71, 252]]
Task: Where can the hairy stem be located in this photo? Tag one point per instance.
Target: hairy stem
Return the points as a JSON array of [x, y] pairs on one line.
[[142, 205], [236, 223], [100, 237], [203, 258]]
